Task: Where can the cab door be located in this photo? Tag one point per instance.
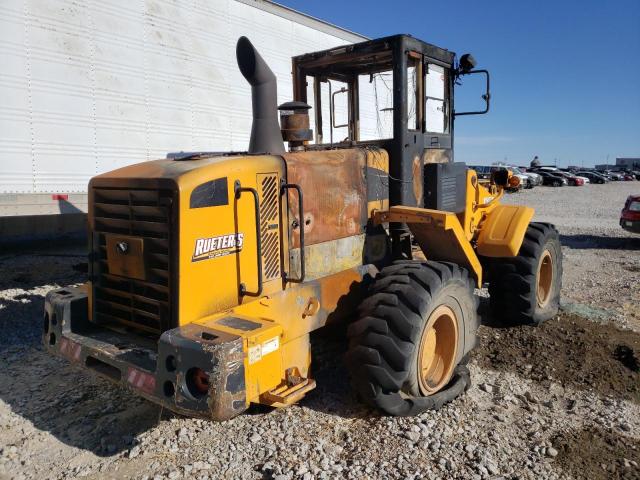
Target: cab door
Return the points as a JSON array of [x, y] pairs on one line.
[[438, 118]]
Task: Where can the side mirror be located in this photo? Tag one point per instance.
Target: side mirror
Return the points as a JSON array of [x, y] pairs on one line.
[[466, 67]]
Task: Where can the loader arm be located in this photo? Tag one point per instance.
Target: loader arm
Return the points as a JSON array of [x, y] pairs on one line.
[[485, 227]]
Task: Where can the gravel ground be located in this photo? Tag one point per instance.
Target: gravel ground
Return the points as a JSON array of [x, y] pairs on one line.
[[558, 401]]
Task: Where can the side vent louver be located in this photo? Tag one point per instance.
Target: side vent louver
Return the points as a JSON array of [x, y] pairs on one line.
[[269, 225]]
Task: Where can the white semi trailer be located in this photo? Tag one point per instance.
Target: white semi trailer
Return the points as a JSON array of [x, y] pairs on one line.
[[90, 86]]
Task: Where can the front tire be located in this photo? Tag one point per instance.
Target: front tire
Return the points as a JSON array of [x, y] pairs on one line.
[[526, 289], [407, 349]]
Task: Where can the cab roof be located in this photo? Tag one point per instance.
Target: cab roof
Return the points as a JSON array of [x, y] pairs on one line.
[[369, 56]]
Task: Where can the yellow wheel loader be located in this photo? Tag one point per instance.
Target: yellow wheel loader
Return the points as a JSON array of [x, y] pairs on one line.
[[209, 271]]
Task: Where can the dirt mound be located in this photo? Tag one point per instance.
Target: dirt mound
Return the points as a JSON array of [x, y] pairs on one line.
[[597, 454], [571, 350]]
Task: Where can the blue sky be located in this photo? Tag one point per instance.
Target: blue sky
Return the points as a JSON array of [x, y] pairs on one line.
[[565, 74]]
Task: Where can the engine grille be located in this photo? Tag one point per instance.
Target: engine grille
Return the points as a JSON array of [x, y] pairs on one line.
[[144, 305], [269, 220], [449, 193]]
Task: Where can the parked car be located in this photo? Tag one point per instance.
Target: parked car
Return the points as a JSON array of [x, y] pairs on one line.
[[585, 180], [627, 177], [614, 176], [547, 168], [483, 171], [551, 179], [534, 178], [570, 178], [630, 216], [592, 176]]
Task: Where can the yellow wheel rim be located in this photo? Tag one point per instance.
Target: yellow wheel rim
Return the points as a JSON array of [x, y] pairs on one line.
[[545, 279], [438, 349]]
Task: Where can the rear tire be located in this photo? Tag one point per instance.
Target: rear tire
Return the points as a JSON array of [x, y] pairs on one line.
[[526, 289], [408, 348]]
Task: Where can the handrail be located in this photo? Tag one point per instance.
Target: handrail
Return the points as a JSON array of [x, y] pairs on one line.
[[284, 187], [238, 189]]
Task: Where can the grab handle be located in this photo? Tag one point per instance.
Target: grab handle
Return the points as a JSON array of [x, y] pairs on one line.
[[238, 189], [285, 187]]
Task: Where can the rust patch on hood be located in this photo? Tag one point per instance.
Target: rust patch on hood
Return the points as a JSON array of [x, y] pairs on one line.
[[335, 194]]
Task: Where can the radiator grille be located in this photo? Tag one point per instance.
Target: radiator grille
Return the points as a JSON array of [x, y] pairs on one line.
[[269, 223], [143, 305]]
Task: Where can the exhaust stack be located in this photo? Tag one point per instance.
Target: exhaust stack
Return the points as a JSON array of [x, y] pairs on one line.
[[265, 130]]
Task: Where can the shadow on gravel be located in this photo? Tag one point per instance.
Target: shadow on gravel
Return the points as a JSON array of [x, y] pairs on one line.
[[486, 318], [77, 408], [27, 271], [597, 454], [570, 350], [29, 245], [599, 242], [333, 394]]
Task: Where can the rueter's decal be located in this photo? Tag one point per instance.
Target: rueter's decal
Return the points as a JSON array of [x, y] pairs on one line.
[[213, 247]]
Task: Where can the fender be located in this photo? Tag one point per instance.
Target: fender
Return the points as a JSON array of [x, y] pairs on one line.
[[439, 235], [503, 230]]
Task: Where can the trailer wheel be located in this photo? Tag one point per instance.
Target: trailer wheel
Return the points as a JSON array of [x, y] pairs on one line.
[[408, 348], [526, 289]]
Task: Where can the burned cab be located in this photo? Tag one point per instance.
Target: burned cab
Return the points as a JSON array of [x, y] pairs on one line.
[[393, 93]]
